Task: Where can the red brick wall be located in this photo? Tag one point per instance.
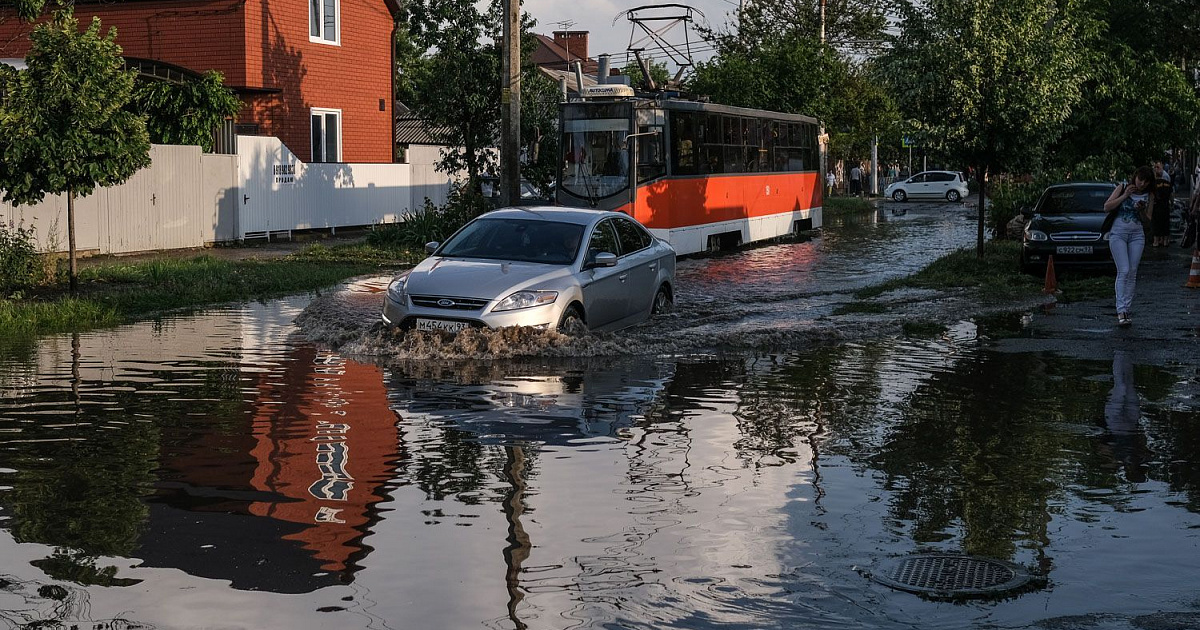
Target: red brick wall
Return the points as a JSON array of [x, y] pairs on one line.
[[200, 35], [352, 77], [265, 44]]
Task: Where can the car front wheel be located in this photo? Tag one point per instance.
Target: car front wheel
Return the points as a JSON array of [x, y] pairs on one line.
[[572, 322], [953, 196], [662, 301], [900, 195]]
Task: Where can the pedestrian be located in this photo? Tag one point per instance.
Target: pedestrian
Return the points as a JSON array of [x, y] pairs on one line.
[[1130, 209], [830, 180], [855, 180], [1162, 200]]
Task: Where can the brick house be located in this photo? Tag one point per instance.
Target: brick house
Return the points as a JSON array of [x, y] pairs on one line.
[[319, 79]]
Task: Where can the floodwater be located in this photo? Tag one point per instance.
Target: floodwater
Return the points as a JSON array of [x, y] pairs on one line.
[[765, 297], [219, 470]]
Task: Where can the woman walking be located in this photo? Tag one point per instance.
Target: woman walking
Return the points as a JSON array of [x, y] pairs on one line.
[[1130, 209]]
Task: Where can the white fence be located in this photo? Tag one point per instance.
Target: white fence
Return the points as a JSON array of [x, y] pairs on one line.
[[280, 193], [187, 199]]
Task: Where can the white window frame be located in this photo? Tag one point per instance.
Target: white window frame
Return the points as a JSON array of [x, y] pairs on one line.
[[341, 130], [337, 23]]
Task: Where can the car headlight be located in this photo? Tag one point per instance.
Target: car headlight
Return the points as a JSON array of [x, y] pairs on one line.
[[526, 299], [1036, 235], [397, 287]]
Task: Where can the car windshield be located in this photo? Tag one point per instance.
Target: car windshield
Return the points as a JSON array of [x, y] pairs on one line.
[[1074, 200], [516, 240]]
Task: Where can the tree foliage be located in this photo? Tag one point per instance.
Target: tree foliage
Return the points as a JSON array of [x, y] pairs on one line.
[[1136, 101], [989, 82], [63, 127], [449, 73], [795, 73], [847, 22], [184, 113], [63, 123]]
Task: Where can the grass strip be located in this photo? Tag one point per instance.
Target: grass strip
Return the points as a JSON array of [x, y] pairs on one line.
[[118, 292], [996, 276], [835, 206]]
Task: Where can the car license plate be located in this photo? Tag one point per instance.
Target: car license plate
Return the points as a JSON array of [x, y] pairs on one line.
[[1073, 249], [442, 325]]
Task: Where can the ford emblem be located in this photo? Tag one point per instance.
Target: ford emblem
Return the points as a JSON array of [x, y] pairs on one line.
[[445, 302]]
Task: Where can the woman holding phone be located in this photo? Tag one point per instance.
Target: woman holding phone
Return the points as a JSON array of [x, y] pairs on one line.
[[1130, 209]]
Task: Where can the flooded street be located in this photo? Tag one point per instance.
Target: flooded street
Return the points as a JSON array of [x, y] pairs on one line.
[[222, 470]]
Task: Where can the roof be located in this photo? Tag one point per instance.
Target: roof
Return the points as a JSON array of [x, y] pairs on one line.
[[580, 216], [549, 53], [589, 80], [413, 130]]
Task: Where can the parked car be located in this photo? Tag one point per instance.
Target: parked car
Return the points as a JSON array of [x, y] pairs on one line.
[[948, 185], [1066, 222], [531, 194], [538, 266]]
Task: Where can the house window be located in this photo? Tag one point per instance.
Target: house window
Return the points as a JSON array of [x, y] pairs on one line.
[[324, 21], [326, 135]]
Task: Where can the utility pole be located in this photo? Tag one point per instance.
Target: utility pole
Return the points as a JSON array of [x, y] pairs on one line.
[[822, 21], [510, 106]]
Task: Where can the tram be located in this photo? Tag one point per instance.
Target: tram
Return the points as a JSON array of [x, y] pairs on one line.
[[701, 176]]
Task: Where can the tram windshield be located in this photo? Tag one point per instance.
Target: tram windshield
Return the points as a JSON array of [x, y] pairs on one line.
[[596, 150]]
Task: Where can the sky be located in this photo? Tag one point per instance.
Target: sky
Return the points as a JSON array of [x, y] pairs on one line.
[[596, 16]]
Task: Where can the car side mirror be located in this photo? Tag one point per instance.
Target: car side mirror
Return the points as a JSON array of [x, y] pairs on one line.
[[1027, 212], [604, 259], [432, 246]]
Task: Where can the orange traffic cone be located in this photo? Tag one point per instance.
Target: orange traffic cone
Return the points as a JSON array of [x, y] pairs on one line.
[[1194, 275], [1051, 279]]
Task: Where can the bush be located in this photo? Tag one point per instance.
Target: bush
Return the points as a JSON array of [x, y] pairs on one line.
[[430, 222], [21, 264]]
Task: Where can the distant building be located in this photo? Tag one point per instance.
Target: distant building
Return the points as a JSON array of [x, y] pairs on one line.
[[562, 50], [320, 80]]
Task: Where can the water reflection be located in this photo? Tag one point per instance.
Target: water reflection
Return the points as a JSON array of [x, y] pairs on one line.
[[219, 463], [1122, 417]]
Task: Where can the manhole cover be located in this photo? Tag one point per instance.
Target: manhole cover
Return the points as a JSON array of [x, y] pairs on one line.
[[949, 575]]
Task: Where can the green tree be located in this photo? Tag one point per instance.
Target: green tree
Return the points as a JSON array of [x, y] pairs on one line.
[[184, 113], [795, 73], [848, 23], [63, 128], [1137, 100], [988, 82], [658, 72], [450, 75]]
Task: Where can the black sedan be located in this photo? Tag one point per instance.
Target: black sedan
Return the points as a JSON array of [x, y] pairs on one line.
[[1065, 223]]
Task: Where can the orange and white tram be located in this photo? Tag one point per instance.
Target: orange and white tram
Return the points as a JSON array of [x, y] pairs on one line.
[[699, 175]]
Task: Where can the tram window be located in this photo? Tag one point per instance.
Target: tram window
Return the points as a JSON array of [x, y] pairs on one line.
[[754, 133], [713, 161], [685, 137], [733, 158], [650, 155], [731, 129], [750, 159], [712, 129], [764, 160], [796, 159]]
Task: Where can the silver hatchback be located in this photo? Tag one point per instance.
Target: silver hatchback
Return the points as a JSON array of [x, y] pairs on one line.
[[541, 266]]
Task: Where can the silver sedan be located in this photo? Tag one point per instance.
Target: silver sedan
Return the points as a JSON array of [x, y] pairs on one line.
[[541, 266]]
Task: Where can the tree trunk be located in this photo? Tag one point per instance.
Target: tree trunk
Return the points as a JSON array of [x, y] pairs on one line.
[[981, 178], [73, 269]]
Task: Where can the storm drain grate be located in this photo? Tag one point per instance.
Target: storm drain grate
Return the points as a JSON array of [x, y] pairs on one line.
[[949, 575]]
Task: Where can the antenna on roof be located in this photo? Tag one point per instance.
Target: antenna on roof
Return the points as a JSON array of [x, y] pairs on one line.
[[654, 22]]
